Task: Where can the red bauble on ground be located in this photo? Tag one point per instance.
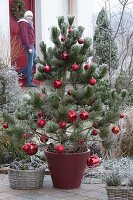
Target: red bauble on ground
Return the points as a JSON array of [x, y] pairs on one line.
[[115, 129], [94, 132], [92, 81], [57, 84], [62, 124], [60, 148], [64, 55], [122, 115], [72, 116], [5, 125], [93, 161], [75, 67], [41, 122], [30, 148], [44, 138], [26, 135], [80, 41], [40, 114], [84, 115], [47, 68], [87, 66]]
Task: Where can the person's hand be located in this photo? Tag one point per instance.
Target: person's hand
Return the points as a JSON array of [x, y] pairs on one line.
[[30, 50]]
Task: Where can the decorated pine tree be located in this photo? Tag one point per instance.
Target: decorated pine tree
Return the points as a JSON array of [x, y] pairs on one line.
[[77, 107], [103, 42]]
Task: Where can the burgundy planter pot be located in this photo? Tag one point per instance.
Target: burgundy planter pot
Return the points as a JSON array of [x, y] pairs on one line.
[[67, 169]]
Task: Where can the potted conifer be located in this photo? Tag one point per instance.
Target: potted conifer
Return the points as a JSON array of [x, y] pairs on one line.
[[75, 108]]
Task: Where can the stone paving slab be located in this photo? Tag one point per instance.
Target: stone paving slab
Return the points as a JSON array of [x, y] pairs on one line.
[[94, 190]]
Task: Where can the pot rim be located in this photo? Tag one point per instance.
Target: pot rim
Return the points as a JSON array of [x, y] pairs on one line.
[[67, 154], [30, 170]]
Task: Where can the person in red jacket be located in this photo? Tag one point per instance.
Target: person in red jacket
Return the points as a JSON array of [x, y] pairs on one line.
[[28, 42]]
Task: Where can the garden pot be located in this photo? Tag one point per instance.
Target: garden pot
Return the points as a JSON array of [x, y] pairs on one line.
[[115, 193], [26, 179], [67, 169], [130, 193]]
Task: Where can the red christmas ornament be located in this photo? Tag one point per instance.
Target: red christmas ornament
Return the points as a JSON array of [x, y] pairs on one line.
[[122, 115], [57, 84], [81, 141], [70, 29], [92, 81], [115, 129], [72, 116], [75, 67], [87, 66], [63, 37], [44, 138], [41, 122], [93, 161], [60, 148], [47, 68], [69, 92], [5, 125], [40, 114], [26, 135], [64, 55], [84, 115], [30, 148], [62, 124], [94, 132], [80, 41]]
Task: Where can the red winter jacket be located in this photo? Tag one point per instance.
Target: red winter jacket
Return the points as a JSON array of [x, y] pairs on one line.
[[26, 33]]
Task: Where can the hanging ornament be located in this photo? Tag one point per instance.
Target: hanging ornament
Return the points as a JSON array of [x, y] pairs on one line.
[[115, 129], [26, 136], [75, 67], [57, 84], [5, 125], [84, 115], [80, 41], [40, 114], [122, 115], [64, 55], [93, 161], [47, 69], [63, 37], [30, 148], [87, 66], [94, 132], [72, 116], [60, 148], [44, 138], [62, 124], [81, 141], [70, 30], [41, 122], [92, 81]]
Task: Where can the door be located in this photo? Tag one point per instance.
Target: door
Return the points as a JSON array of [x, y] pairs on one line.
[[18, 58]]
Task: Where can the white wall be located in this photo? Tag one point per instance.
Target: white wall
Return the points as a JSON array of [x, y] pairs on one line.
[[4, 30]]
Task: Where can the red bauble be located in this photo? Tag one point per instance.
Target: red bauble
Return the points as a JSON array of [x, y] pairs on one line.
[[70, 29], [5, 125], [60, 148], [92, 81], [84, 115], [81, 141], [30, 148], [72, 116], [57, 84], [44, 138], [93, 161], [26, 135], [75, 67], [63, 37], [115, 129], [64, 55], [41, 122], [87, 66], [122, 115], [40, 114], [69, 92], [62, 124], [80, 41], [47, 68], [94, 132]]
